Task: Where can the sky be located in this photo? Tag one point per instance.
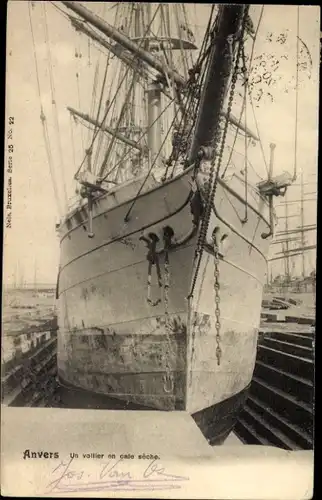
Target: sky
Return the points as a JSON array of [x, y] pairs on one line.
[[31, 243]]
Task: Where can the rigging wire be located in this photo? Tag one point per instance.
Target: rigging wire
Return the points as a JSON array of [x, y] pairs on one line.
[[124, 157], [186, 19], [191, 106], [114, 98], [121, 116], [296, 92], [124, 108], [170, 79], [95, 82], [101, 98], [43, 120], [89, 52], [102, 135], [72, 139], [54, 105], [62, 12], [132, 79], [259, 136], [126, 218], [246, 145], [248, 161], [251, 101], [99, 109], [183, 58], [78, 89]]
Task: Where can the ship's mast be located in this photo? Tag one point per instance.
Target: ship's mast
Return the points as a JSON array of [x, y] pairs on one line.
[[105, 128], [124, 41], [217, 77], [230, 16], [116, 49], [154, 97]]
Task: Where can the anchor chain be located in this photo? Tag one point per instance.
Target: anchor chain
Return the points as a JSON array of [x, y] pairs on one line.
[[211, 185], [168, 382], [217, 297], [153, 260]]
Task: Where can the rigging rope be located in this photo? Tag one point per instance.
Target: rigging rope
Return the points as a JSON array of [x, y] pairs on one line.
[[43, 121], [100, 104], [102, 136], [121, 115], [89, 52], [251, 101], [54, 105], [72, 139], [186, 20], [78, 90], [114, 98], [201, 60], [94, 92], [61, 11], [219, 139], [126, 218], [258, 134], [192, 105], [246, 144], [129, 84], [184, 62], [296, 92], [124, 157]]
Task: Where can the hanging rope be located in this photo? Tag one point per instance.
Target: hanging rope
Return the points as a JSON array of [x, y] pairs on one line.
[[43, 121], [296, 91]]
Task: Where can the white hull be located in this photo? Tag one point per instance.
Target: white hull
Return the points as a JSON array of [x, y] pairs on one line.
[[113, 342]]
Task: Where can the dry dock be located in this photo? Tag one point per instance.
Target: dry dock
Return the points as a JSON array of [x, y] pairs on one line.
[[279, 408]]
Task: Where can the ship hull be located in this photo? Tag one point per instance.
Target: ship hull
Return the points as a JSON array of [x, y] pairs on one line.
[[162, 353], [215, 422]]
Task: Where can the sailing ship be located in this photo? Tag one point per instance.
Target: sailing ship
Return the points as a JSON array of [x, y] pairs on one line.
[[163, 258], [295, 251]]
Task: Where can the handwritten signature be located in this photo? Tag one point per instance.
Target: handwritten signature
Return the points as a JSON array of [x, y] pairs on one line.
[[113, 475]]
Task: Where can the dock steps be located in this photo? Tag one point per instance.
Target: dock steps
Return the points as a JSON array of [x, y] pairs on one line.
[[279, 410]]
